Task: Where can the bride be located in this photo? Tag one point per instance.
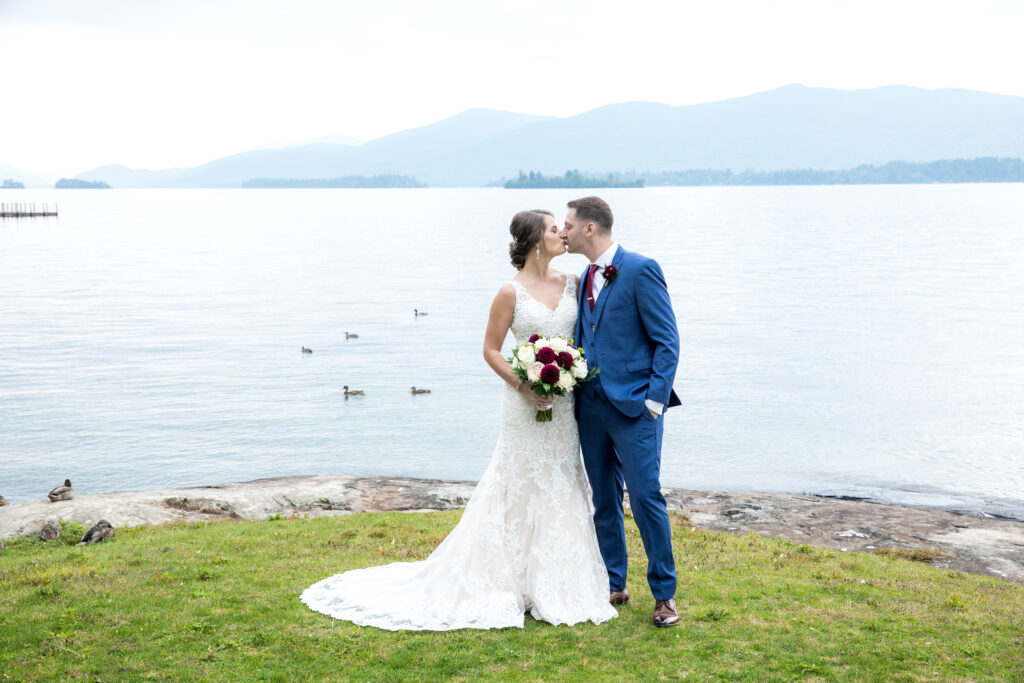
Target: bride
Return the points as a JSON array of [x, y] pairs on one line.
[[526, 540]]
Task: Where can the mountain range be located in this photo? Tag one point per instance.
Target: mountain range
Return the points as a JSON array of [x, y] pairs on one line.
[[792, 127]]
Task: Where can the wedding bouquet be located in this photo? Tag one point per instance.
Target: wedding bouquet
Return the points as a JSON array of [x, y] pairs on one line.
[[551, 366]]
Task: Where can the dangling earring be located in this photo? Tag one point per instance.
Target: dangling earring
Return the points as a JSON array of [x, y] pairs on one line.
[[538, 251]]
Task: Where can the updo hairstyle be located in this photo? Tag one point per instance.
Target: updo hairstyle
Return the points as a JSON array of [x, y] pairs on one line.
[[527, 229]]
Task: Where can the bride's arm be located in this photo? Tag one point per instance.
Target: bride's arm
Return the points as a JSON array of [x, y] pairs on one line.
[[498, 325]]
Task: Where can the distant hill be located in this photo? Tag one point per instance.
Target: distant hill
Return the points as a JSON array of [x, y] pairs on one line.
[[794, 127], [348, 181], [29, 178]]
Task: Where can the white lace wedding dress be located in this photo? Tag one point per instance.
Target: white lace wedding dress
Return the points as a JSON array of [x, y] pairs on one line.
[[526, 540]]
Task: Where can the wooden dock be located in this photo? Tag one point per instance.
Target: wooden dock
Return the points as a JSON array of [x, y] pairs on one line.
[[26, 210]]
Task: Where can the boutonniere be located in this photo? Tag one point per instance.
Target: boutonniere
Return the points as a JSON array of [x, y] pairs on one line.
[[609, 273]]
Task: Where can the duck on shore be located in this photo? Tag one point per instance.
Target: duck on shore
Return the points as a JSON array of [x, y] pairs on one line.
[[305, 350], [350, 335], [64, 492], [353, 392], [49, 532], [3, 501], [420, 391], [102, 531]]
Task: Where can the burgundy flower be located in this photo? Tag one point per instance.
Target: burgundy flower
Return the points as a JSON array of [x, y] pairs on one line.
[[546, 354], [610, 272], [565, 360], [534, 337], [549, 374]]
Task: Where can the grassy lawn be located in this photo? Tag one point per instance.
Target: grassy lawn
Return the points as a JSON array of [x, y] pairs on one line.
[[219, 601]]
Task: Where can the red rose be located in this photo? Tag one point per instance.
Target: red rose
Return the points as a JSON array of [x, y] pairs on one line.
[[546, 354], [549, 374], [534, 337], [565, 360]]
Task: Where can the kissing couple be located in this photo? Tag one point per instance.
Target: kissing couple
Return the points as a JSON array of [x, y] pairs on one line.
[[543, 531]]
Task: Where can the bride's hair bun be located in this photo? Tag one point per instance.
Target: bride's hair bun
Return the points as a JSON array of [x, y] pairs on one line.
[[527, 229]]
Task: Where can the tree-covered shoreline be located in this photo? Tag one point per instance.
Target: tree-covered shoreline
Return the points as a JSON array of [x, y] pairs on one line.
[[573, 178], [979, 170], [76, 184]]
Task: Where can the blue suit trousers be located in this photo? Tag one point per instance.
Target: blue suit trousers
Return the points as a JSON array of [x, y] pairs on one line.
[[621, 450]]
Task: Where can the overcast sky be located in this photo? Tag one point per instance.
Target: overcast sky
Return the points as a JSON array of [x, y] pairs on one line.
[[158, 84]]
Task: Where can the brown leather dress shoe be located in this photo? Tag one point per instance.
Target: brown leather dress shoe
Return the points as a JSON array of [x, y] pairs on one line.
[[665, 614], [619, 597]]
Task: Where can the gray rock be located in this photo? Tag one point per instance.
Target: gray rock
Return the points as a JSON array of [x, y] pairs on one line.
[[850, 533], [975, 544]]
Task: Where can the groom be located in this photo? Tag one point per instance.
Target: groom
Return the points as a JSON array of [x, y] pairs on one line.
[[628, 329]]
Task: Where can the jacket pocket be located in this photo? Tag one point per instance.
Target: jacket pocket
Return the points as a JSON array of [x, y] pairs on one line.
[[638, 365]]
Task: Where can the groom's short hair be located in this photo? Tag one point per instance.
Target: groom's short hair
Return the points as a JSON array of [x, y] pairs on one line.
[[594, 210]]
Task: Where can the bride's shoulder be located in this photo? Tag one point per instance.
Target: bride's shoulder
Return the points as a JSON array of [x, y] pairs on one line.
[[506, 293]]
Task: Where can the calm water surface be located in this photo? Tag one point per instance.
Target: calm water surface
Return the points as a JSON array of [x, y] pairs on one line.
[[864, 341]]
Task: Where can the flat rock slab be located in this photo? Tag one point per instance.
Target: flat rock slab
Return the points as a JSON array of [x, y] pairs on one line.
[[975, 544], [251, 500]]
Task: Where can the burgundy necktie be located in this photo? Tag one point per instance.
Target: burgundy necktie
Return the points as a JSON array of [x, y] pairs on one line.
[[590, 285]]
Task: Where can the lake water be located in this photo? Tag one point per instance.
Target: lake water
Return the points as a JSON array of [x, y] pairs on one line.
[[863, 341]]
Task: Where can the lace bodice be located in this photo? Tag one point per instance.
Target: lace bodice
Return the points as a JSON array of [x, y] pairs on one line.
[[533, 316]]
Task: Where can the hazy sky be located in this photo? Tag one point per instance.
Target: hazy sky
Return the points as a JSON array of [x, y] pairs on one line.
[[157, 84]]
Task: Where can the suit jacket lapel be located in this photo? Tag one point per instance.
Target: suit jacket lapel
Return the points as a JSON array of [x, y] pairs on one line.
[[608, 288]]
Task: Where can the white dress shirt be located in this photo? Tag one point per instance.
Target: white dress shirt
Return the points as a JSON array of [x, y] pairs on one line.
[[603, 260]]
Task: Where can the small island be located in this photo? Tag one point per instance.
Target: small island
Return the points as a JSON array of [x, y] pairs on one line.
[[573, 178], [10, 184], [76, 184], [386, 180]]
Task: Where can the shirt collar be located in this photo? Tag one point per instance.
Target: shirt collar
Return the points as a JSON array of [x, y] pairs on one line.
[[606, 258]]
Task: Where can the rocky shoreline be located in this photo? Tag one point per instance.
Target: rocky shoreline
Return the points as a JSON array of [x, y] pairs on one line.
[[967, 543]]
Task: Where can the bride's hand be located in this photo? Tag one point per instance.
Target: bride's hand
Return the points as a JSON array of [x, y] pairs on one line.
[[539, 402]]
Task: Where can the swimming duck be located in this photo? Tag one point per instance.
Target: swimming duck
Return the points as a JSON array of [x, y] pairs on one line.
[[349, 335], [417, 312], [353, 392], [49, 532], [101, 532], [420, 391], [305, 350], [64, 492]]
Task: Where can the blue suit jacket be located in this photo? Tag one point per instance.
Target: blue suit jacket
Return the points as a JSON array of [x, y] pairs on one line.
[[633, 332]]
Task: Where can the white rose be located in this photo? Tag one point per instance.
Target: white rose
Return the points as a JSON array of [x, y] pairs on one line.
[[559, 344], [575, 353], [526, 355], [533, 371], [566, 381], [579, 369]]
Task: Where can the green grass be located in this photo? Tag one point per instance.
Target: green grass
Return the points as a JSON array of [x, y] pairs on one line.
[[220, 601]]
